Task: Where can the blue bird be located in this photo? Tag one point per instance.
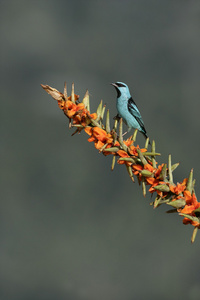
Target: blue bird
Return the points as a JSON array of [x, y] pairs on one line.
[[127, 108]]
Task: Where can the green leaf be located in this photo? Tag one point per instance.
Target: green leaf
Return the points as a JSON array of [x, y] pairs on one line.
[[177, 203]]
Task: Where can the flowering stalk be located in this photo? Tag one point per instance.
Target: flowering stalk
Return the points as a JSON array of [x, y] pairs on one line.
[[139, 162]]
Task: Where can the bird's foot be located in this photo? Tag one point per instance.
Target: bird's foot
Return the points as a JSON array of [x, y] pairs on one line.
[[117, 117]]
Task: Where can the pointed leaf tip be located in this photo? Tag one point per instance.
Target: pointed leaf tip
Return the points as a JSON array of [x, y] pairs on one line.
[[189, 186], [65, 91], [72, 94], [107, 121], [86, 100], [113, 163], [55, 94], [194, 234]]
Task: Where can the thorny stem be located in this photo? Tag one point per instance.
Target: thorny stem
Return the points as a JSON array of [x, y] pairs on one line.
[[139, 162]]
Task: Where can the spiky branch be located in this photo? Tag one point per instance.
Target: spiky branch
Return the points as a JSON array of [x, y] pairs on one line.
[[139, 162]]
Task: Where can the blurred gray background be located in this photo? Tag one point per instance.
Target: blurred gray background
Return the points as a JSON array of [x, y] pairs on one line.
[[71, 228]]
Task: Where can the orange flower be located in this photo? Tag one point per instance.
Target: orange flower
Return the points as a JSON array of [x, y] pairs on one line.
[[154, 182], [81, 116], [128, 142], [65, 105], [99, 136], [184, 182], [191, 205], [77, 112], [61, 104], [88, 130], [190, 199], [137, 168], [177, 189], [149, 168], [188, 209], [93, 116], [98, 145], [70, 108], [76, 97], [123, 153], [159, 170], [82, 119], [91, 139], [117, 144], [187, 221], [133, 150]]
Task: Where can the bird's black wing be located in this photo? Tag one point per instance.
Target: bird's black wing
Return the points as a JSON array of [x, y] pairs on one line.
[[133, 109]]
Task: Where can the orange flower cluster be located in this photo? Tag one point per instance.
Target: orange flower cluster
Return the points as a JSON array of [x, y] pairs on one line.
[[76, 111], [192, 208], [104, 140], [139, 161], [99, 136]]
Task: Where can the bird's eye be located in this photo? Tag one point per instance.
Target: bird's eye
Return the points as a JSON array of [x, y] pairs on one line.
[[120, 84]]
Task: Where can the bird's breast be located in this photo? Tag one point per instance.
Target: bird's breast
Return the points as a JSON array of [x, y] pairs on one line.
[[122, 108]]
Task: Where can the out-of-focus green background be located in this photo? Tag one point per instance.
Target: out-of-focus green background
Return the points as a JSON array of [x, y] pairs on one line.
[[71, 228]]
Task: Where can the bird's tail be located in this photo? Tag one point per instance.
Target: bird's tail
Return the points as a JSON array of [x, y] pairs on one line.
[[146, 137]]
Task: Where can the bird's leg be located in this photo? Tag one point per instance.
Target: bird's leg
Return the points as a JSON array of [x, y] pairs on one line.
[[129, 129], [117, 117], [125, 133]]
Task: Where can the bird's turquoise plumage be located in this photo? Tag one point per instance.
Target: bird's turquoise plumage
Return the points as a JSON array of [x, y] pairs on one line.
[[127, 108]]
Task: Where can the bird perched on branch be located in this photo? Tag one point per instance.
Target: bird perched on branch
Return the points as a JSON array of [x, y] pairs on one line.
[[127, 108]]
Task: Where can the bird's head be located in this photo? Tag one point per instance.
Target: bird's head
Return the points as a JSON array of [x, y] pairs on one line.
[[122, 89]]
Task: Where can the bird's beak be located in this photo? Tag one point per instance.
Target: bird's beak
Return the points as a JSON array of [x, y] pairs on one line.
[[114, 85]]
